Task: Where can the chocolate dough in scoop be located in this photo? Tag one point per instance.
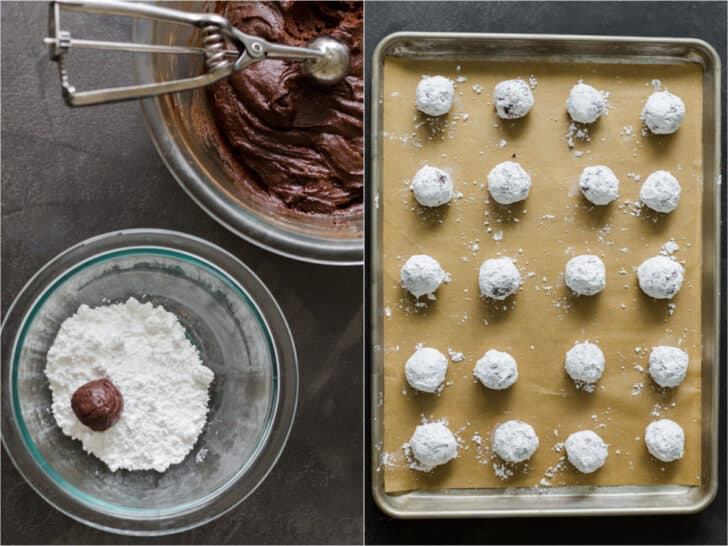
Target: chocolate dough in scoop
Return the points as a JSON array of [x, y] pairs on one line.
[[300, 142]]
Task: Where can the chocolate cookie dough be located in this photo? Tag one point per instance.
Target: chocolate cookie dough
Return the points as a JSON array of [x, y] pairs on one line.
[[290, 142], [98, 404]]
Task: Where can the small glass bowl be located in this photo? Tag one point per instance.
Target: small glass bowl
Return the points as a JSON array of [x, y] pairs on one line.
[[242, 336], [201, 171]]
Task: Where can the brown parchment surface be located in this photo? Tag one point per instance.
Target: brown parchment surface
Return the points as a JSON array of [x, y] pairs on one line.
[[540, 323]]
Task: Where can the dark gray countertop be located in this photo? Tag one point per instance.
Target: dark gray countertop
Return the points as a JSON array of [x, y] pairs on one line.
[[71, 174], [667, 19]]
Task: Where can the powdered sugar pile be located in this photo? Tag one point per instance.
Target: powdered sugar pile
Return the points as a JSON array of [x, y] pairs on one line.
[[142, 350]]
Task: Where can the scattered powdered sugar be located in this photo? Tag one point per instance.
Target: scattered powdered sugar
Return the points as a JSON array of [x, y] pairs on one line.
[[144, 351], [201, 455], [455, 356], [576, 132], [669, 248], [502, 471]]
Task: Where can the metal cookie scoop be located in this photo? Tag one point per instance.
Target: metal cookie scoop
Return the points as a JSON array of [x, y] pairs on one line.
[[324, 59]]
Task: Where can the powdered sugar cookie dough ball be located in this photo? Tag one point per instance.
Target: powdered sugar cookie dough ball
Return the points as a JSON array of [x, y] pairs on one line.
[[599, 185], [585, 104], [496, 370], [668, 366], [586, 451], [585, 363], [508, 183], [665, 440], [425, 370], [515, 441], [433, 444], [421, 274], [498, 278], [434, 95], [432, 187], [660, 277], [661, 192], [512, 98], [585, 275], [663, 112]]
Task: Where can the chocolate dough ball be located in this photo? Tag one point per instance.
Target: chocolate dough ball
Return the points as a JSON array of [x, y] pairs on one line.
[[98, 404], [663, 112], [513, 99], [434, 95], [665, 440], [432, 187], [599, 185], [585, 104], [586, 451], [660, 277], [661, 192]]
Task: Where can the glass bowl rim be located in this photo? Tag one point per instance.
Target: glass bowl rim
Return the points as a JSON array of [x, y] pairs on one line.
[[246, 225], [280, 415]]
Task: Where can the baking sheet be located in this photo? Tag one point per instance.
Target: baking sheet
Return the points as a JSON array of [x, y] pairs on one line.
[[540, 323]]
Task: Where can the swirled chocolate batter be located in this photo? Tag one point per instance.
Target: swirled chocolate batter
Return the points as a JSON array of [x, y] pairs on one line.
[[289, 140]]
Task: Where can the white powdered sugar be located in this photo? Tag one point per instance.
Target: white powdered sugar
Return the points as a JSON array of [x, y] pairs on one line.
[[585, 104], [508, 183], [432, 187], [425, 370], [434, 95], [498, 278], [665, 440], [661, 192], [421, 274], [668, 365], [144, 352], [515, 441], [586, 451], [663, 112], [496, 370], [512, 98], [660, 277], [599, 185], [584, 363], [433, 444], [585, 275]]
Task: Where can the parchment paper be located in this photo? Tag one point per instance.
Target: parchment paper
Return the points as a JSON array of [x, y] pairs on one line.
[[539, 324]]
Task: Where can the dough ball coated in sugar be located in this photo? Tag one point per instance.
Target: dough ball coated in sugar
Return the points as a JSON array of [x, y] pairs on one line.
[[498, 278], [508, 183], [421, 274], [585, 104], [515, 441], [663, 112], [433, 444], [434, 95], [661, 192], [668, 366], [585, 363], [665, 440], [660, 277], [496, 370], [432, 187], [585, 275], [425, 370], [586, 451], [599, 185], [513, 99]]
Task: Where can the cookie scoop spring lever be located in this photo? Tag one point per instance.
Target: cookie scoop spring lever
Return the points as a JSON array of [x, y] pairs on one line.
[[324, 59]]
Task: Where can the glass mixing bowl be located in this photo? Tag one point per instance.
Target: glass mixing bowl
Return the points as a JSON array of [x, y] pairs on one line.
[[200, 170], [242, 336]]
